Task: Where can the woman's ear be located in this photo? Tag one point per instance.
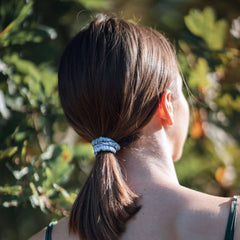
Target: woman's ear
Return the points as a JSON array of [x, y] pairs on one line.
[[165, 108]]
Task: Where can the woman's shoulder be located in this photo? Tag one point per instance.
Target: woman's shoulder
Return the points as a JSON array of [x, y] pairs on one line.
[[204, 216], [191, 214], [59, 231]]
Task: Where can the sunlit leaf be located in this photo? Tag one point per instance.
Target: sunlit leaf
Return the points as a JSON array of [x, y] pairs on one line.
[[69, 197], [198, 76], [16, 22], [229, 103], [11, 190], [36, 200], [205, 25], [23, 36], [8, 152], [95, 4]]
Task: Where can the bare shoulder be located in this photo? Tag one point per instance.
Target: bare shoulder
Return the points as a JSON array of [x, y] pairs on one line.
[[171, 211], [203, 216], [59, 232]]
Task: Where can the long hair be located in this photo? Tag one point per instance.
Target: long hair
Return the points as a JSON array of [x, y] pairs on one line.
[[111, 77]]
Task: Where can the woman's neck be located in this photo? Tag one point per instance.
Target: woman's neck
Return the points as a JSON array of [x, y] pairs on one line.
[[149, 159]]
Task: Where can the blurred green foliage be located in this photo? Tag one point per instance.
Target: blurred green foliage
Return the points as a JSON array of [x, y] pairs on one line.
[[204, 25], [43, 163], [211, 67], [36, 157]]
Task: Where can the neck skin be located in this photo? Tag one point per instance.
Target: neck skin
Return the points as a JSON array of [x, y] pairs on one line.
[[149, 158]]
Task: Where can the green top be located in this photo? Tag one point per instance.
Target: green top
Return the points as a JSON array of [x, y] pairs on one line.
[[229, 235], [48, 235]]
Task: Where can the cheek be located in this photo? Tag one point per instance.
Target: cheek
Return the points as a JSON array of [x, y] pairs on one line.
[[183, 115], [181, 122], [187, 114]]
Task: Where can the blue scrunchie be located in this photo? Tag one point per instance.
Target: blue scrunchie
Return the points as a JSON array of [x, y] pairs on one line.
[[104, 144]]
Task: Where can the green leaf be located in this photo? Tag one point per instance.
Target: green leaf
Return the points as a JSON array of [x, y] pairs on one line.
[[8, 152], [35, 198], [28, 35], [48, 80], [15, 23], [229, 103], [95, 4], [69, 197], [11, 190], [205, 25], [83, 151], [61, 163], [24, 67], [198, 74]]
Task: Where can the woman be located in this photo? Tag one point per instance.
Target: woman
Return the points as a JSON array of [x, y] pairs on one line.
[[121, 90]]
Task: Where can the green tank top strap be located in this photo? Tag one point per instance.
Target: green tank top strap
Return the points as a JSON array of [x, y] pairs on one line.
[[48, 235], [229, 235]]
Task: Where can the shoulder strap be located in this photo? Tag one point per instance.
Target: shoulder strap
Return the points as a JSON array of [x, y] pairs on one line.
[[229, 235], [48, 235]]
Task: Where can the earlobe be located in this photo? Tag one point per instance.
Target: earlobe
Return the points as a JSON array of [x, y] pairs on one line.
[[165, 108]]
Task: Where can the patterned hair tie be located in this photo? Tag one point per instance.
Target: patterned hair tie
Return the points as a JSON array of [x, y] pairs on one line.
[[104, 144]]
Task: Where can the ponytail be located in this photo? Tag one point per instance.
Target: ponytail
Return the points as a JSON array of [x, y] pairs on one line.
[[105, 203]]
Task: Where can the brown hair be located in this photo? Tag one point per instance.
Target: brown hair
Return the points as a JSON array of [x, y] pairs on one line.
[[111, 77]]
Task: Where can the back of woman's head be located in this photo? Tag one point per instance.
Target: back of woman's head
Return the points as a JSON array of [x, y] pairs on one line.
[[111, 77]]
